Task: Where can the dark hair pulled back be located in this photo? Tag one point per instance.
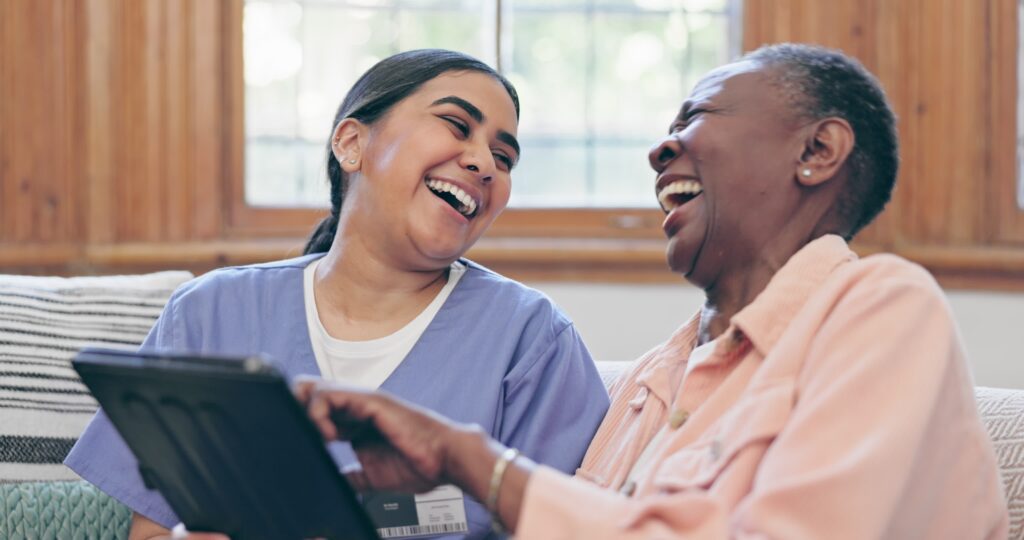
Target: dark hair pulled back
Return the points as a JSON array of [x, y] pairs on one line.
[[386, 83]]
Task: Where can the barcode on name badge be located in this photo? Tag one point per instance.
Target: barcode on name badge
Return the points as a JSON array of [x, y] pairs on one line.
[[419, 530]]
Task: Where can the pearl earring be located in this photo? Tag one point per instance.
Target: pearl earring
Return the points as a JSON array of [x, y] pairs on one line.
[[352, 161], [806, 173]]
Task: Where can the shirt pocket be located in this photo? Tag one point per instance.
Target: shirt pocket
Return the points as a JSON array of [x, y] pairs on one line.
[[757, 417]]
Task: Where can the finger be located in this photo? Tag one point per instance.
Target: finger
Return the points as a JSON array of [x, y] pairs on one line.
[[320, 412], [303, 387], [357, 478]]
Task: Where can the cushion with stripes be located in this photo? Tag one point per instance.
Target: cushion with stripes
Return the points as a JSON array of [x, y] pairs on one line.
[[44, 321]]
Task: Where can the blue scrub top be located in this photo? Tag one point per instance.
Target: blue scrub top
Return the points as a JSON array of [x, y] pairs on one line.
[[497, 354]]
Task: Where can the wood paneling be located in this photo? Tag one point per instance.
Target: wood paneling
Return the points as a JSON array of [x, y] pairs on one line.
[[121, 143], [111, 125], [1003, 98], [38, 114]]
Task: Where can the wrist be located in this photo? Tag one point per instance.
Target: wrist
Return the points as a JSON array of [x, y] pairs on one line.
[[469, 459]]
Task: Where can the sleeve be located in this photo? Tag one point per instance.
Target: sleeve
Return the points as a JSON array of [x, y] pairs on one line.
[[101, 456], [883, 386], [553, 404]]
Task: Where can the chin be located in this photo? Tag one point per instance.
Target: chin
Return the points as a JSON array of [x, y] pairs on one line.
[[680, 259], [684, 262], [445, 254]]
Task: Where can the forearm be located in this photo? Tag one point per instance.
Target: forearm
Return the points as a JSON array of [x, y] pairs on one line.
[[471, 458]]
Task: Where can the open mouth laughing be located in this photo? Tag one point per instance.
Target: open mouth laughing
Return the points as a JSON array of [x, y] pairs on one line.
[[462, 202], [678, 192]]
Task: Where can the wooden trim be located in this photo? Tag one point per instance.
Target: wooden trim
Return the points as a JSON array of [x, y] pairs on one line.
[[255, 222], [14, 258], [533, 260]]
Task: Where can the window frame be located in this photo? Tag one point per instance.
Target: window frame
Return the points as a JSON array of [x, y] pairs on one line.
[[595, 243]]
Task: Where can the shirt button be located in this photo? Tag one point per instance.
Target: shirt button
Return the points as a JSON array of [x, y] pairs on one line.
[[628, 488], [715, 450], [678, 418]]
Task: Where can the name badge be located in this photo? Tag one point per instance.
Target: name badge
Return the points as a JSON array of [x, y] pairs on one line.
[[440, 511]]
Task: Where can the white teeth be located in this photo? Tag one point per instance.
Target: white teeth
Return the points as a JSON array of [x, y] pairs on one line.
[[679, 187], [468, 205]]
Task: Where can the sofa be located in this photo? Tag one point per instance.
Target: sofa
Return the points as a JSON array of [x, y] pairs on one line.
[[43, 407]]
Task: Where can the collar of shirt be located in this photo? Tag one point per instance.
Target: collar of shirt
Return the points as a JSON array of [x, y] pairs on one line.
[[659, 377], [761, 322], [764, 319]]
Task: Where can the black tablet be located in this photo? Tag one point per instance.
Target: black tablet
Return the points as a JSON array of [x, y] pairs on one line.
[[226, 443]]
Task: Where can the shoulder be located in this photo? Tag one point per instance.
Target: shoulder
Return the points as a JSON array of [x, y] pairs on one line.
[[512, 298], [237, 281], [880, 299], [888, 276]]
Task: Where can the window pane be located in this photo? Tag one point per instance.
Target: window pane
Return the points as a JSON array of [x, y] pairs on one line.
[[610, 74], [299, 64], [599, 80], [552, 176]]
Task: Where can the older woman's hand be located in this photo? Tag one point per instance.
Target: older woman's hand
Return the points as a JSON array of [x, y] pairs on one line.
[[400, 446]]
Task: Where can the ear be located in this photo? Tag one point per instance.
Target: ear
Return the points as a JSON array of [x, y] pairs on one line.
[[828, 145], [347, 143]]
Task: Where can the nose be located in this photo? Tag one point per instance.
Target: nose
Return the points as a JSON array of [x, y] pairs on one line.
[[478, 160], [667, 149]]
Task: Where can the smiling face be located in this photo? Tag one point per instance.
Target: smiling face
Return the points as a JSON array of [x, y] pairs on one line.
[[726, 173], [434, 173]]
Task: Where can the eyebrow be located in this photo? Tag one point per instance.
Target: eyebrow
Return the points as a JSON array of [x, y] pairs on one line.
[[470, 109], [687, 105], [476, 114]]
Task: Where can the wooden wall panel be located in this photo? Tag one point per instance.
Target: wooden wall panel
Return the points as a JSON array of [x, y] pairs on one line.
[[111, 131], [100, 56], [176, 189], [166, 84], [948, 129], [39, 194], [135, 216], [1003, 98], [893, 42], [208, 112]]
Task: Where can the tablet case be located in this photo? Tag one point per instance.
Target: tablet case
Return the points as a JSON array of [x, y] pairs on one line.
[[226, 444]]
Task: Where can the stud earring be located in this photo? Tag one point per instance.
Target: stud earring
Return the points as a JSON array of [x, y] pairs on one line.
[[806, 173], [352, 162]]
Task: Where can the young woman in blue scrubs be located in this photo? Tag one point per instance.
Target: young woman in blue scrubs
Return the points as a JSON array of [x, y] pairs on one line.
[[419, 161]]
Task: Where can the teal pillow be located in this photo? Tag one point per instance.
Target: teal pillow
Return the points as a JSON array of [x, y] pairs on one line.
[[60, 510]]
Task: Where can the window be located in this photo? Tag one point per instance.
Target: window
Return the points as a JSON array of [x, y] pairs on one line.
[[599, 81]]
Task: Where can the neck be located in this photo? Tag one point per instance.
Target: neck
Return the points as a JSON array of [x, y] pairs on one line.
[[361, 293], [729, 295], [736, 288]]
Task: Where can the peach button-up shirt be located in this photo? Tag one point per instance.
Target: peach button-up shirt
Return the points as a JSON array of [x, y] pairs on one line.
[[837, 405]]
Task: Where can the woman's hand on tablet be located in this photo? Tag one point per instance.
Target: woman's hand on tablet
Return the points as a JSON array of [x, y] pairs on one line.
[[400, 446]]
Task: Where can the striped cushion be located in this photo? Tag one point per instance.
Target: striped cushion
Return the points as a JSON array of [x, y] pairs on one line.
[[43, 322]]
